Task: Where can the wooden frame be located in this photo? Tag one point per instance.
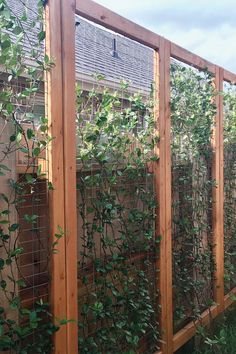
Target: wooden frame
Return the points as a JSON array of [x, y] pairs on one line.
[[163, 186], [60, 89], [218, 195]]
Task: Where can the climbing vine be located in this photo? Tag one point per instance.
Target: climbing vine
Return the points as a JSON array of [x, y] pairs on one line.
[[26, 324], [192, 115], [230, 185], [116, 204]]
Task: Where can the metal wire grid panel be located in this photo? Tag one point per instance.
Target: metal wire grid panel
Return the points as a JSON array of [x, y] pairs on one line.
[[192, 120], [117, 250], [24, 188], [229, 186]]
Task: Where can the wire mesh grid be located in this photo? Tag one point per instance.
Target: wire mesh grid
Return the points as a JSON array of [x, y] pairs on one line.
[[117, 251], [24, 194], [229, 186], [192, 118]]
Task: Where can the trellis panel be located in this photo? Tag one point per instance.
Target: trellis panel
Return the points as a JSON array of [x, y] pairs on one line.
[[61, 110]]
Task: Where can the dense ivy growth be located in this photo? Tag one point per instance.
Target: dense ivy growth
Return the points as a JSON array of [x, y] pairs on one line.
[[23, 328], [118, 246], [230, 185], [192, 116], [118, 242]]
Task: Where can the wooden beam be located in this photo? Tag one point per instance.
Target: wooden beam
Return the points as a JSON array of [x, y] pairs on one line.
[[109, 19], [69, 139], [190, 58], [60, 98], [54, 106], [163, 183], [168, 234], [229, 76], [159, 175], [186, 333], [230, 298], [221, 260], [218, 195]]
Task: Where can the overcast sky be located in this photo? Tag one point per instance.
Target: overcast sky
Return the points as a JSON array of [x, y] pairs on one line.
[[206, 27]]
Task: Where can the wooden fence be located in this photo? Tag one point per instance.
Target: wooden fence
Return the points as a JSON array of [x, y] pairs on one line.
[[60, 45]]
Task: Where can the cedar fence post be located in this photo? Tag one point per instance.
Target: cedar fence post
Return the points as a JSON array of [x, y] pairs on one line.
[[218, 195], [60, 102], [163, 183]]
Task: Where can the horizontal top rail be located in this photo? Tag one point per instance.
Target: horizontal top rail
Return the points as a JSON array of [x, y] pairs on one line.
[[103, 16], [229, 76], [190, 58], [111, 20]]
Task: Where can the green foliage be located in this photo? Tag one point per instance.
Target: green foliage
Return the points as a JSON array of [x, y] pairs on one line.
[[220, 338], [229, 185], [192, 115], [117, 265], [16, 335], [23, 329]]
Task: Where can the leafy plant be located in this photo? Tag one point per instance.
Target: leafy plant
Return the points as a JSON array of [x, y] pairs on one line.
[[117, 263], [192, 115], [24, 328], [229, 184]]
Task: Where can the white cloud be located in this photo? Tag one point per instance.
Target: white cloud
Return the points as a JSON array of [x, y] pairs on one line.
[[206, 28]]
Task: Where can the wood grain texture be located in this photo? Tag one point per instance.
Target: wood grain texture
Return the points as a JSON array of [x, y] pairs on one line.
[[109, 19], [69, 139], [60, 102], [54, 93], [218, 194], [163, 187], [230, 298], [190, 58], [186, 333], [168, 234], [229, 76]]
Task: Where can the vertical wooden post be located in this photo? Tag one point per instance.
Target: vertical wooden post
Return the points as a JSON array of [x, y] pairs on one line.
[[60, 102], [69, 131], [218, 195], [163, 182], [54, 106]]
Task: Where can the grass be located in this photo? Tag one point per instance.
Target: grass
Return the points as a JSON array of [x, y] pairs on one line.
[[219, 340]]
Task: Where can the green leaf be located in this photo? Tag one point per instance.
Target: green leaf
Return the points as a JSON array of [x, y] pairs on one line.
[[30, 133], [4, 222], [41, 36], [36, 151], [5, 168], [9, 108], [2, 263], [18, 137], [3, 284], [16, 252], [14, 227], [21, 283], [17, 30]]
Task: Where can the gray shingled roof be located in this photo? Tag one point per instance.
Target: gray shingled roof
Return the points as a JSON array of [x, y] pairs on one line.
[[94, 44]]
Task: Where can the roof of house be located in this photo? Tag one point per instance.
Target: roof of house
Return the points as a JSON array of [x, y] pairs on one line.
[[95, 52]]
